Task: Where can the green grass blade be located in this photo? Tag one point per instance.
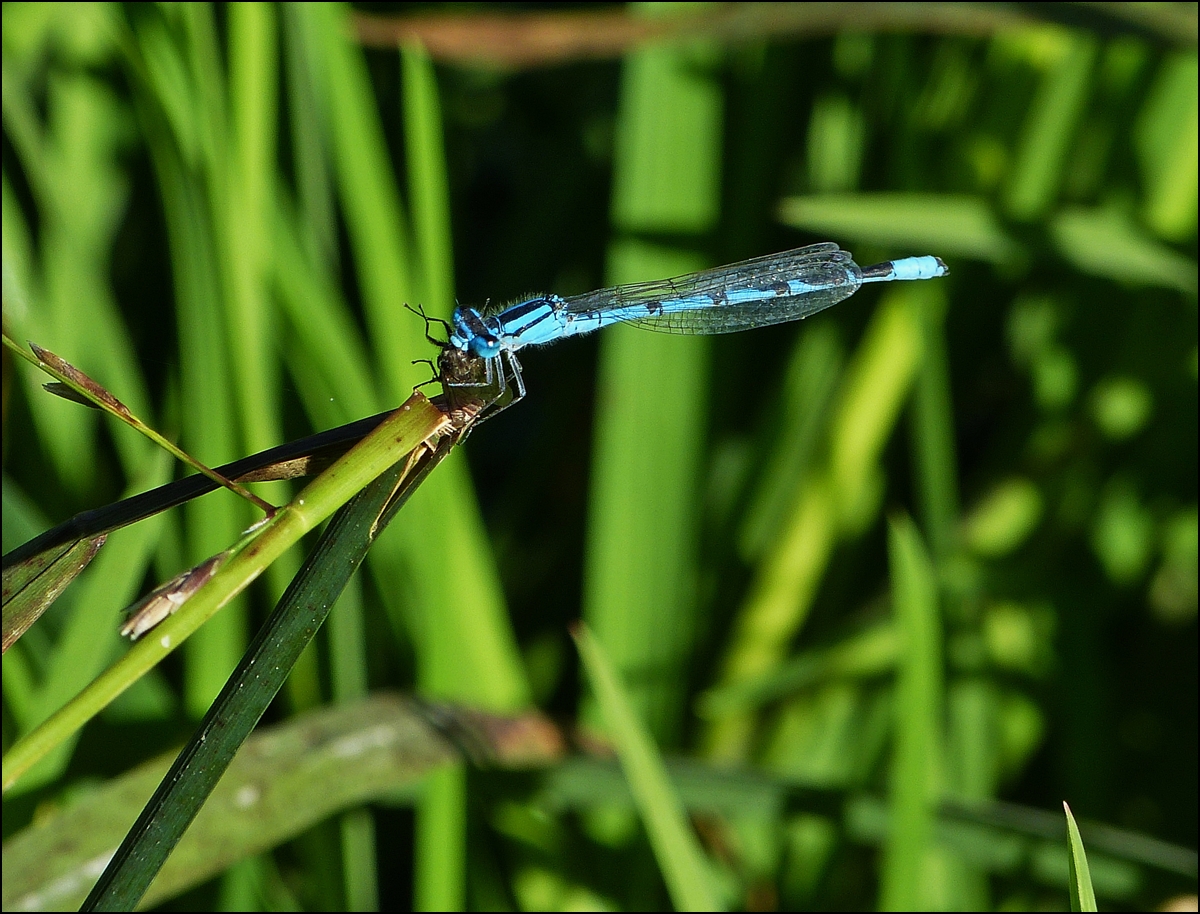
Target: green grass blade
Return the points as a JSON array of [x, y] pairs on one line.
[[1108, 244], [440, 864], [244, 208], [962, 226], [684, 866], [641, 569], [441, 836], [908, 877], [1166, 144], [1083, 896], [833, 502], [1054, 116], [375, 219], [816, 365], [62, 295], [428, 183], [348, 664], [932, 430]]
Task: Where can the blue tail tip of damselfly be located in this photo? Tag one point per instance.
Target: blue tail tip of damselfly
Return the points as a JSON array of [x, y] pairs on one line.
[[926, 267]]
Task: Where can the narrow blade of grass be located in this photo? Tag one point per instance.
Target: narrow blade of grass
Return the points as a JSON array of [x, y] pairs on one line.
[[1083, 896], [906, 875], [962, 225], [641, 564], [684, 867], [932, 431], [835, 500]]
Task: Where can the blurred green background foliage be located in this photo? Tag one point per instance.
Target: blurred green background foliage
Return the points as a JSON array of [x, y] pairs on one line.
[[924, 566]]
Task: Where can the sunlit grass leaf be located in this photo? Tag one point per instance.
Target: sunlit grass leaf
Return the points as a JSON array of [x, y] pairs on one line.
[[1109, 245], [962, 226], [1045, 138], [868, 654]]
